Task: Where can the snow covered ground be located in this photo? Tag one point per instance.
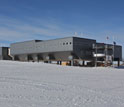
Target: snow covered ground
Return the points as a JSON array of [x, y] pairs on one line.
[[25, 84]]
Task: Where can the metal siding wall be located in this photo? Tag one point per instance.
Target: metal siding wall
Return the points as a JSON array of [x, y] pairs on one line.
[[5, 51], [0, 51], [42, 47], [55, 45], [22, 47], [1, 56], [83, 48], [118, 52]]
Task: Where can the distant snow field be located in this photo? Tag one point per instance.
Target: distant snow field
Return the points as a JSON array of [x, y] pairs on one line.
[[24, 84]]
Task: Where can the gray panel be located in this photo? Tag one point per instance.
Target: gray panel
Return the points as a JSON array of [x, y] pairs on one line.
[[118, 52], [4, 53], [57, 45], [83, 48], [0, 51]]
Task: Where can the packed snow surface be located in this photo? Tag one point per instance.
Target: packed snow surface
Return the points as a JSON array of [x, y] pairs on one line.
[[27, 84]]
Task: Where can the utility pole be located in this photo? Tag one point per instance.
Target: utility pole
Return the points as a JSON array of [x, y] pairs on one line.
[[106, 51], [106, 55], [96, 55], [113, 53], [114, 43]]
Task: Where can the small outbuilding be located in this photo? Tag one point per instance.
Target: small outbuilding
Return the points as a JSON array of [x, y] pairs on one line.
[[5, 53]]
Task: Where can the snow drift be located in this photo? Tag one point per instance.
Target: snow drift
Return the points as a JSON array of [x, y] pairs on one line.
[[24, 84]]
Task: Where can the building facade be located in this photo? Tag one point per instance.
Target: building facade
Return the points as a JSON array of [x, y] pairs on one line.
[[64, 49]]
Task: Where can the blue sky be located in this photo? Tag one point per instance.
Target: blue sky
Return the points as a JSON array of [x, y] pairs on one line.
[[48, 19]]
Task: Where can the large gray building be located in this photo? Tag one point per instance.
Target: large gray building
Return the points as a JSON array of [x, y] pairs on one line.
[[4, 53], [64, 49]]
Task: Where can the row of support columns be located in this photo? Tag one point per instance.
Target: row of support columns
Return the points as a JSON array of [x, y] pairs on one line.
[[72, 63], [36, 58]]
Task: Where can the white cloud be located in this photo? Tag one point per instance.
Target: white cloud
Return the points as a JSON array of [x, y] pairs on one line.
[[14, 30]]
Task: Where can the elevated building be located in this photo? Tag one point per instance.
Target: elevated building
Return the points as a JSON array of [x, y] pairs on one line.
[[71, 49]]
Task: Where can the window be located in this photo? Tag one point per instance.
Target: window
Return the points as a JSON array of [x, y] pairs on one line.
[[67, 43], [70, 43], [63, 43]]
